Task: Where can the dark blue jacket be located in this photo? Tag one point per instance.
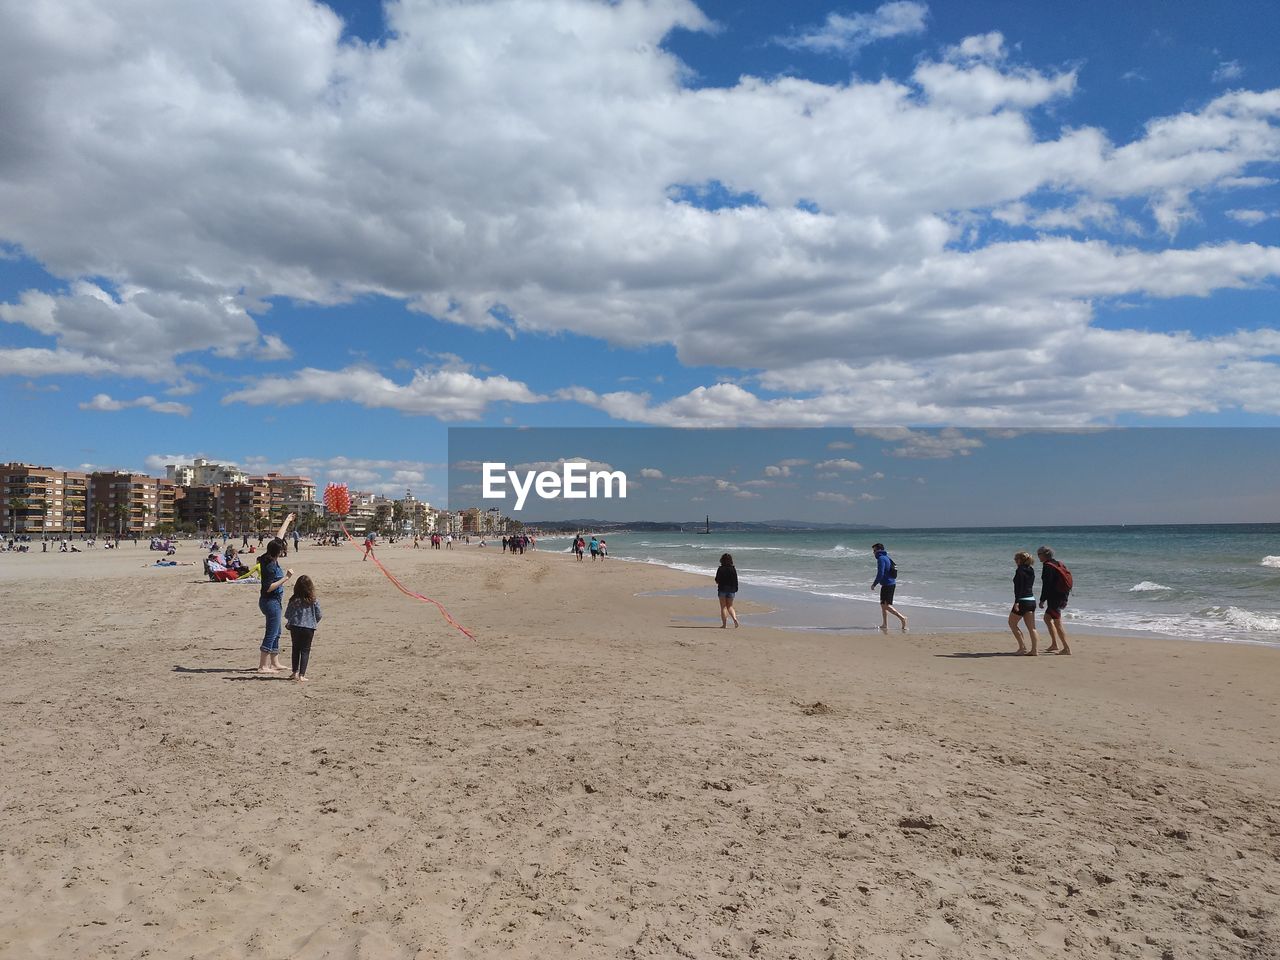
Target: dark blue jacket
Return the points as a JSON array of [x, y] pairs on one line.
[[882, 571]]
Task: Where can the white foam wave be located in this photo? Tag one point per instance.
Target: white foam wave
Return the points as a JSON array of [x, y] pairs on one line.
[[1147, 585], [1271, 561], [1250, 621]]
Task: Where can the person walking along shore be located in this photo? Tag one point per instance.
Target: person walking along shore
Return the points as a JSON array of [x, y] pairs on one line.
[[1024, 602], [887, 580]]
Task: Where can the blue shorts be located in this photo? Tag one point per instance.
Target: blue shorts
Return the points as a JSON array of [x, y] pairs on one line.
[[726, 594]]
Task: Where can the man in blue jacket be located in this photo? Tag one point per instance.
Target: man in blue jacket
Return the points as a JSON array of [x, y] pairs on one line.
[[887, 581]]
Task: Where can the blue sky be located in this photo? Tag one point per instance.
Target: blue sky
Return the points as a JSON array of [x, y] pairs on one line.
[[311, 238]]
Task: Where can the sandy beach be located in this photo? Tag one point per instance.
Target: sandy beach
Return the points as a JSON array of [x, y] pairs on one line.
[[602, 774]]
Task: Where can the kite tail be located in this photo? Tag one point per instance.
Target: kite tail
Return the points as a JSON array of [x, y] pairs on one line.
[[410, 593]]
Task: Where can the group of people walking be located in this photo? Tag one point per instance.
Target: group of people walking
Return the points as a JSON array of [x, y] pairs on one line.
[[1055, 589]]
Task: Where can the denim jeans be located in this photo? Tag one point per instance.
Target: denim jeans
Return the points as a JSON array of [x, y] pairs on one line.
[[270, 607]]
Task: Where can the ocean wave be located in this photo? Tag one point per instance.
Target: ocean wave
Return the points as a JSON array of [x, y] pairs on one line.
[[1248, 620], [1146, 585], [1271, 561]]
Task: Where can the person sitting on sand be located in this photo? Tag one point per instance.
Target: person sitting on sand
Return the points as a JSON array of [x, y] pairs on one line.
[[1053, 597], [1024, 602], [887, 580], [727, 589]]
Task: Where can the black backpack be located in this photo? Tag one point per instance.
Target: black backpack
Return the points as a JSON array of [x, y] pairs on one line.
[[893, 569]]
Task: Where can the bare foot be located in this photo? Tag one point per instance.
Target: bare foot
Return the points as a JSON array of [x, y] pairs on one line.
[[1053, 649], [1064, 652], [735, 624], [883, 629], [1033, 653], [265, 670], [904, 628], [302, 679], [725, 624]]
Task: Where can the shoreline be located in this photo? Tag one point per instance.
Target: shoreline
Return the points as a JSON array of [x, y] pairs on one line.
[[796, 603]]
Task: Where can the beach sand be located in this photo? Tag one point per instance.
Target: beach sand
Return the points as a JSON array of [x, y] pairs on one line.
[[599, 775]]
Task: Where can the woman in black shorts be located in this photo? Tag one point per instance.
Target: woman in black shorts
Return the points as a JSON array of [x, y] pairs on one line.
[[1024, 603], [727, 589]]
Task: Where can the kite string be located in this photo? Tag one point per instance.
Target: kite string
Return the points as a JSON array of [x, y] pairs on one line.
[[407, 592]]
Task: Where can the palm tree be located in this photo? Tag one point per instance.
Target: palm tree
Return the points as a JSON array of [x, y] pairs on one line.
[[17, 505]]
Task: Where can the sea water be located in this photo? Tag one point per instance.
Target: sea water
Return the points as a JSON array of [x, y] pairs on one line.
[[1201, 582]]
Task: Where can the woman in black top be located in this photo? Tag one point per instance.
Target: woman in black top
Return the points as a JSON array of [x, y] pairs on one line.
[[726, 588], [1024, 603]]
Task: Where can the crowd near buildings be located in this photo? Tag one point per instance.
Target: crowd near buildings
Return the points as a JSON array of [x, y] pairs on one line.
[[207, 498]]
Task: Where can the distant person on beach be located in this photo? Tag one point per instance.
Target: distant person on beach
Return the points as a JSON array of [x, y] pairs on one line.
[[727, 589], [302, 616], [271, 602], [594, 547], [887, 580], [1024, 602], [1055, 588], [368, 547], [579, 547]]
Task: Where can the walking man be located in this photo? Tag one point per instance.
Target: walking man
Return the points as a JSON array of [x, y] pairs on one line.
[[1055, 588], [887, 580]]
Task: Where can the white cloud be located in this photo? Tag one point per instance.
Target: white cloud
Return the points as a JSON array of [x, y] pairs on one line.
[[136, 331], [445, 394], [847, 34], [825, 496], [104, 402], [841, 465], [272, 348], [919, 445], [557, 465], [1227, 71], [651, 473], [1250, 218], [462, 164]]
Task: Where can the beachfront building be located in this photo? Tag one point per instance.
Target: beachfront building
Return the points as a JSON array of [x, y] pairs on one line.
[[364, 515], [243, 507], [492, 521], [410, 514], [129, 504], [196, 507], [203, 473], [286, 495], [40, 501]]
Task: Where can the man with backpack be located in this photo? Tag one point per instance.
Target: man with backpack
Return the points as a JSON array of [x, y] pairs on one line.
[[1055, 588], [887, 580]]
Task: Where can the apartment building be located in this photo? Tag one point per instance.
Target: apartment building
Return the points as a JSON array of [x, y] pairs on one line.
[[204, 473], [288, 494], [244, 507], [39, 501], [196, 507], [126, 504]]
